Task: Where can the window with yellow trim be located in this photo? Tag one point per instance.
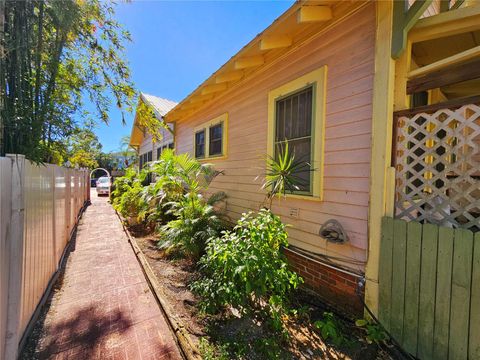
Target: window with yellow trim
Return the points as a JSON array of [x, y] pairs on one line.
[[296, 113], [210, 139]]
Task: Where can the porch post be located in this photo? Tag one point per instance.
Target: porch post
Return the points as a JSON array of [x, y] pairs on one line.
[[382, 120]]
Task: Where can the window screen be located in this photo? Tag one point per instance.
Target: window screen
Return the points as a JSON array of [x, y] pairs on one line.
[[293, 123], [200, 144], [149, 156], [215, 140]]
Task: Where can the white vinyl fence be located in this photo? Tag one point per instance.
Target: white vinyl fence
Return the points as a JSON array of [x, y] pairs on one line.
[[40, 206]]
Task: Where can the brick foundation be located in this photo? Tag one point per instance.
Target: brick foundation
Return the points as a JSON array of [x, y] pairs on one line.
[[335, 287]]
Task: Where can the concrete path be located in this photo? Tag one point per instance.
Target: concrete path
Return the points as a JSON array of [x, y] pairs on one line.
[[103, 308]]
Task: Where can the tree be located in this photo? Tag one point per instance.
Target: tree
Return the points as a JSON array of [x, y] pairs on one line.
[[83, 159], [84, 149], [107, 161], [58, 54], [127, 154]]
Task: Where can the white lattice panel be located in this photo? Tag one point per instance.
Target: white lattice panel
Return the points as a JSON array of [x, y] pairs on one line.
[[438, 167]]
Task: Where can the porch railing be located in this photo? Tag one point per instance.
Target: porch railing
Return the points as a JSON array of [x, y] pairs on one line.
[[436, 156]]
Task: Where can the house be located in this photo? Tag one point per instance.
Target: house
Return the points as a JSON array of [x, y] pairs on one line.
[[361, 90], [149, 146]]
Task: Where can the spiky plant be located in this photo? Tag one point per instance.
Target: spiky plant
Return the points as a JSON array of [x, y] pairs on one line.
[[282, 174]]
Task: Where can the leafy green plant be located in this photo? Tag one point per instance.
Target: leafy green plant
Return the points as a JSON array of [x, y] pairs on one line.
[[167, 187], [330, 329], [176, 201], [209, 351], [126, 196], [122, 184], [375, 333], [195, 221], [245, 269], [282, 173]]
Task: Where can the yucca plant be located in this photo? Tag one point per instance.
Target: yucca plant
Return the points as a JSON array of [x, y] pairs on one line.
[[282, 174]]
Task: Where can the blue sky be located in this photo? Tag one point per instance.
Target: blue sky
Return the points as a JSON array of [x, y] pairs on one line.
[[178, 44]]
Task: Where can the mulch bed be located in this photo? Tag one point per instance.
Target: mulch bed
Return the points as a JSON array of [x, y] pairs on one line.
[[246, 336]]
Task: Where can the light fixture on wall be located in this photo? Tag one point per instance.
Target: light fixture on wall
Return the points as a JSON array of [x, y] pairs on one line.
[[333, 231]]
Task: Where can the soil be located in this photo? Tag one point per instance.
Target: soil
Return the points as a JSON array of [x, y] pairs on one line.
[[244, 335]]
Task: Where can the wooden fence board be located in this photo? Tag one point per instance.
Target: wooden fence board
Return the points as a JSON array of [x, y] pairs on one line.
[[412, 286], [429, 286], [442, 301], [385, 272], [461, 282], [474, 341], [426, 305], [398, 278]]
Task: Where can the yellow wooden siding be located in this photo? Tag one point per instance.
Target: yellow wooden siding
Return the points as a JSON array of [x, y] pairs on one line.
[[148, 145], [348, 51]]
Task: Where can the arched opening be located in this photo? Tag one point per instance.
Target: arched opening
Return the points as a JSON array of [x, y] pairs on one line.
[[94, 171]]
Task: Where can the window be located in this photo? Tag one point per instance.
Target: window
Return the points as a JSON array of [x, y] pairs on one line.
[[293, 124], [296, 112], [211, 138], [200, 144], [144, 159], [215, 141], [163, 147]]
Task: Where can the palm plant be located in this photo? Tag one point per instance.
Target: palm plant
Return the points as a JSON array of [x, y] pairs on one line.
[[195, 222], [178, 198]]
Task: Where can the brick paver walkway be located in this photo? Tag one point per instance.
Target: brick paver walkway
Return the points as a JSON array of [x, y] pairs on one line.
[[104, 308]]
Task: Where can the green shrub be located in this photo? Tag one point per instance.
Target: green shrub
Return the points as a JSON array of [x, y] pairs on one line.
[[209, 351], [195, 222], [330, 329], [126, 196], [175, 200], [374, 332], [122, 184], [246, 269]]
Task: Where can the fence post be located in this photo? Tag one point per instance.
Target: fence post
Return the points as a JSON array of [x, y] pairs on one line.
[[54, 214], [87, 179], [68, 204], [15, 238]]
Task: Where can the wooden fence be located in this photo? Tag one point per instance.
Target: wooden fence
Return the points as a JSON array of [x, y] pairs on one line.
[[40, 205], [430, 289]]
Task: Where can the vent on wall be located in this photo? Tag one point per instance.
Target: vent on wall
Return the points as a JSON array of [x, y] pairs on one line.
[[294, 212]]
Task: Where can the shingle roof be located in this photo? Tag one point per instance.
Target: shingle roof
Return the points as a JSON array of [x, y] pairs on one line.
[[160, 105]]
